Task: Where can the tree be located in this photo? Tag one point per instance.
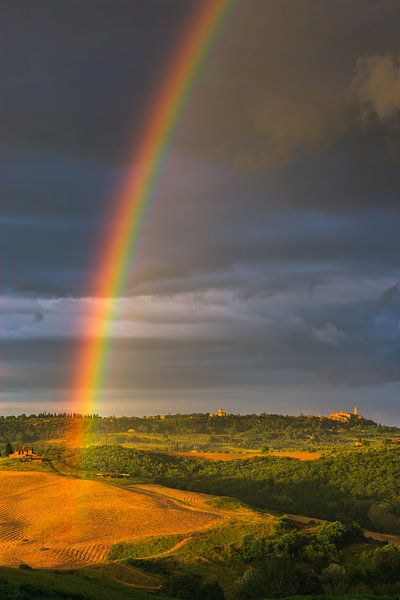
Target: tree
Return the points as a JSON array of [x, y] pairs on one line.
[[190, 586], [8, 449], [334, 578], [276, 577], [382, 518], [387, 563]]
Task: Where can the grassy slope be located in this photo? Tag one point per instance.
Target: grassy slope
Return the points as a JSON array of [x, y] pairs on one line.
[[148, 546], [76, 521], [207, 553], [85, 584], [105, 581], [13, 464]]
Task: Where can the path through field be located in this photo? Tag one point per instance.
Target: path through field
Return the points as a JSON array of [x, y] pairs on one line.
[[374, 535], [51, 521]]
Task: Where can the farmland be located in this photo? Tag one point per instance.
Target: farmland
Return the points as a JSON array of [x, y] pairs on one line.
[[224, 456], [78, 535], [199, 507], [50, 521]]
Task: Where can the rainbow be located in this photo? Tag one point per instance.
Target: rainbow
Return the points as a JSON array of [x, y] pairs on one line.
[[119, 247]]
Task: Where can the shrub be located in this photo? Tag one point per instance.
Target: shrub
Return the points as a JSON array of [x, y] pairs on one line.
[[189, 586]]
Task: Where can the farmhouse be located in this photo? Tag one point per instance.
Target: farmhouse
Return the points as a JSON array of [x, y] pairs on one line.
[[26, 454]]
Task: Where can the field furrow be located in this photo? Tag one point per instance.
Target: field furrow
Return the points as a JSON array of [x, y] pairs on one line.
[[51, 521]]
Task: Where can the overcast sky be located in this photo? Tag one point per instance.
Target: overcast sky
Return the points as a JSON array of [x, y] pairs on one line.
[[267, 274]]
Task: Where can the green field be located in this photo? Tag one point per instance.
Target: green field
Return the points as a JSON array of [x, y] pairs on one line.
[[85, 584], [143, 548]]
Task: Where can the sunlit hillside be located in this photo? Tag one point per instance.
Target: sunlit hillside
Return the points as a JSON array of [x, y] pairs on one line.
[[50, 521]]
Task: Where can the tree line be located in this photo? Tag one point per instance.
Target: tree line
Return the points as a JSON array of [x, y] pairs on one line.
[[28, 428]]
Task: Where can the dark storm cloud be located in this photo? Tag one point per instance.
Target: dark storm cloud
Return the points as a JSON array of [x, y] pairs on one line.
[[279, 84], [78, 76], [273, 233], [298, 246], [288, 70], [387, 295], [377, 83]]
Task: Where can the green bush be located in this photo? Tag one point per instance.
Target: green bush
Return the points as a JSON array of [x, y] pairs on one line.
[[190, 586]]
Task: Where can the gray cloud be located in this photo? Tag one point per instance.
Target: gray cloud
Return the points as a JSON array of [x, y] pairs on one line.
[[287, 69], [329, 334], [387, 295], [271, 234], [276, 87], [377, 85]]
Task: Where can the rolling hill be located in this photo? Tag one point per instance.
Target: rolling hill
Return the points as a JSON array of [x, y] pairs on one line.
[[50, 521]]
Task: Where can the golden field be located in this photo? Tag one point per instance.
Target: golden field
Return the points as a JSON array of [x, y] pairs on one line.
[[227, 456], [218, 456], [298, 455], [52, 521]]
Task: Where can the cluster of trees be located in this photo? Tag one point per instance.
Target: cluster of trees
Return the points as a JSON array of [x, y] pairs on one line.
[[360, 486], [317, 548], [7, 449], [23, 429], [295, 562], [332, 560], [191, 586]]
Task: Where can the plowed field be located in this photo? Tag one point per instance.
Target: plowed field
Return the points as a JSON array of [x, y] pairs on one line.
[[51, 521]]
